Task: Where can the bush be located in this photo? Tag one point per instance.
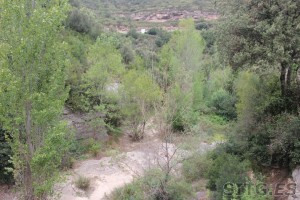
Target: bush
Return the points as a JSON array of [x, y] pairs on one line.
[[226, 168], [79, 21], [83, 183], [153, 187], [223, 104], [202, 26], [251, 191], [178, 122], [209, 37], [179, 190], [153, 31], [196, 167], [129, 191], [92, 146], [133, 33]]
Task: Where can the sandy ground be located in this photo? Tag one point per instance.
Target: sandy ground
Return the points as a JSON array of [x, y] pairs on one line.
[[6, 193], [109, 173]]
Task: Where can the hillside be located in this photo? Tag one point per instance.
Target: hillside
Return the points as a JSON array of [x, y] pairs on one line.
[[123, 14]]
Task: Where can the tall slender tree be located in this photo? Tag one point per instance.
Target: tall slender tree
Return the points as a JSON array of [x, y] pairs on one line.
[[32, 90]]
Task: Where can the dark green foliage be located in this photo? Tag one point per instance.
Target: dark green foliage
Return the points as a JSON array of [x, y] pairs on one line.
[[196, 167], [225, 168], [178, 123], [153, 31], [79, 21], [127, 53], [223, 104], [74, 3], [275, 142], [133, 33], [210, 38], [202, 26], [265, 36], [5, 153], [163, 38]]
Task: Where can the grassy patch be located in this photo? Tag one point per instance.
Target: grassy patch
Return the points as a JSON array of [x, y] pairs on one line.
[[83, 183]]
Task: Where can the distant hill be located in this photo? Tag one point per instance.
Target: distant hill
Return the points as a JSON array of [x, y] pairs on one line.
[[146, 5], [122, 14]]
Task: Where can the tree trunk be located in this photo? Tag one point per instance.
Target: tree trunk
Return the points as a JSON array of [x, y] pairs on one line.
[[285, 81], [298, 91], [29, 194]]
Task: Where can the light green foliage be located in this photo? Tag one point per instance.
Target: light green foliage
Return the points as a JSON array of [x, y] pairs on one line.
[[180, 75], [106, 66], [182, 55], [140, 94], [219, 94], [151, 187], [32, 91], [249, 92], [256, 97], [100, 85], [251, 191]]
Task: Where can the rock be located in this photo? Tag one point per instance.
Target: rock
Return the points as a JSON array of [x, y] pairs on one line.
[[296, 179]]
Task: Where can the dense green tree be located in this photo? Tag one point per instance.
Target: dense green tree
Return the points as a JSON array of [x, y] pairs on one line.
[[140, 94], [32, 91], [178, 71], [264, 36], [5, 154], [105, 68]]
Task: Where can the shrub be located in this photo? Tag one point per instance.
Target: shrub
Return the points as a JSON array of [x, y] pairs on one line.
[[223, 103], [196, 167], [202, 26], [153, 187], [153, 31], [251, 191], [129, 191], [83, 183], [92, 146], [95, 148], [133, 33], [178, 123], [209, 37], [226, 168], [79, 21], [179, 190]]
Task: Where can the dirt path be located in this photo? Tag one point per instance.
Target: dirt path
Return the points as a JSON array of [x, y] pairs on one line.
[[108, 173]]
